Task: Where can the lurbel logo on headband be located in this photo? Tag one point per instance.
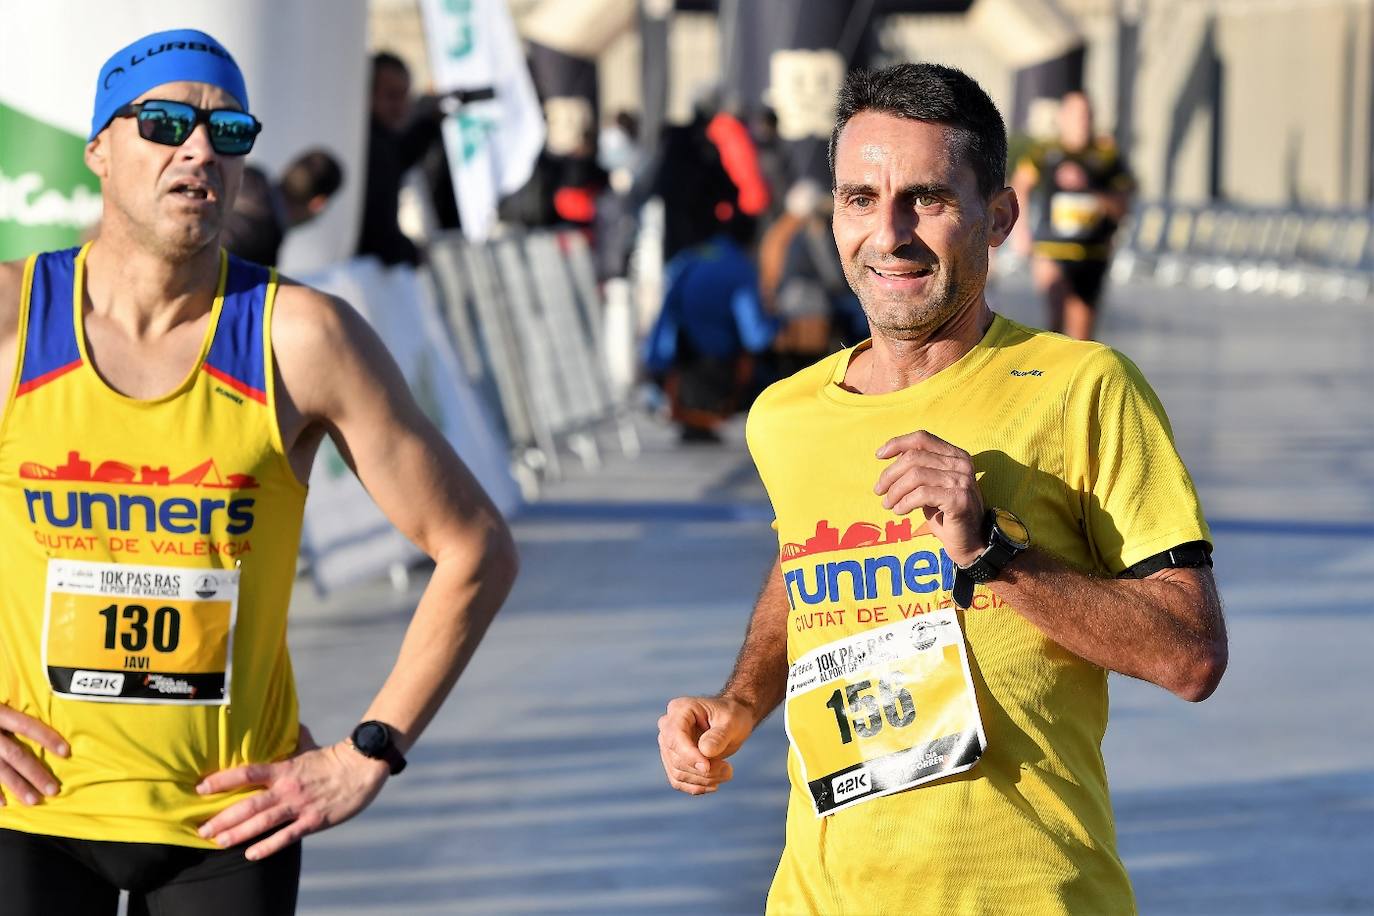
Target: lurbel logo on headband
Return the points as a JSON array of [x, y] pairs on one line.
[[179, 55], [112, 77]]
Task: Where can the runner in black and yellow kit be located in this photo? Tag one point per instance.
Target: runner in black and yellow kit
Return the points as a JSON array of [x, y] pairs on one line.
[[976, 521], [1078, 189], [164, 404]]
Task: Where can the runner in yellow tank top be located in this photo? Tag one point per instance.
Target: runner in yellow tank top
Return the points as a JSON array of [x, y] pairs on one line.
[[944, 684], [164, 405]]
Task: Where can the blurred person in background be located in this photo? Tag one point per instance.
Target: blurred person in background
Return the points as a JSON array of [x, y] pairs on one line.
[[400, 133], [619, 153], [531, 205], [618, 147], [265, 212], [711, 323], [802, 282], [773, 161], [1074, 191], [442, 195], [688, 174], [579, 181], [740, 158]]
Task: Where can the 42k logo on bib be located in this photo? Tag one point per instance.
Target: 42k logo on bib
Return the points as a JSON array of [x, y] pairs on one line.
[[884, 710], [119, 633]]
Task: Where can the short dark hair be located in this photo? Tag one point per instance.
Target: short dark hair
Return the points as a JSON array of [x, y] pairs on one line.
[[384, 59], [311, 174], [940, 95]]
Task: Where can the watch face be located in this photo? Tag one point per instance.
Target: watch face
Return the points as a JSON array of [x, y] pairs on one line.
[[1012, 528], [371, 738]]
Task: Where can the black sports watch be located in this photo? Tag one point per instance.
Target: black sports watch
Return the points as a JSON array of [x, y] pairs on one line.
[[1007, 536], [373, 739]]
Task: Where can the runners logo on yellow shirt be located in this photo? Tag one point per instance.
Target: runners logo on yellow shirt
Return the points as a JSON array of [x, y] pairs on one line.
[[111, 506]]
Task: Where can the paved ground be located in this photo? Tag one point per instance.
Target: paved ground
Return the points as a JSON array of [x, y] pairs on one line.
[[538, 789]]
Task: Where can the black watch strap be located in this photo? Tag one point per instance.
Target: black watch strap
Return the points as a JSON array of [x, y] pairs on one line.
[[987, 567], [375, 740], [962, 592], [989, 564]]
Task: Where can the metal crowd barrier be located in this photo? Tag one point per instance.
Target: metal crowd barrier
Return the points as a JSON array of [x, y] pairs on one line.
[[525, 314], [1328, 254]]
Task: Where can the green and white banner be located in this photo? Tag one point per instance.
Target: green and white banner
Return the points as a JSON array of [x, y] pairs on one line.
[[48, 197], [493, 143]]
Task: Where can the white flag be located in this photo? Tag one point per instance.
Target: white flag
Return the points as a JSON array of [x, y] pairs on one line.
[[492, 144]]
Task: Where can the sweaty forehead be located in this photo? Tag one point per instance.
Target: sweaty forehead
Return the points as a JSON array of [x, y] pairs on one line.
[[873, 145], [203, 95]]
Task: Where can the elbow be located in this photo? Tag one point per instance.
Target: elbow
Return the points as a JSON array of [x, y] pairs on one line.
[[1197, 679], [482, 564], [502, 560]]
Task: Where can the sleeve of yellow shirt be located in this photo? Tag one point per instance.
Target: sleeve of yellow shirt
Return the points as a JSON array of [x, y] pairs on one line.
[[1136, 498]]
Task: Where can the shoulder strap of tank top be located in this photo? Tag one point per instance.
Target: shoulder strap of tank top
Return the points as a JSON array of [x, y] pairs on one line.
[[237, 356], [50, 347]]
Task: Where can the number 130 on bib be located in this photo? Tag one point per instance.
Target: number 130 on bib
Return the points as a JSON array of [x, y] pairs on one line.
[[120, 633]]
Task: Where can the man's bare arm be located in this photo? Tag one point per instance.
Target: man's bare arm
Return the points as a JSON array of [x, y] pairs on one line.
[[1166, 629], [336, 373], [11, 276], [1115, 204], [760, 676], [339, 374], [697, 734]]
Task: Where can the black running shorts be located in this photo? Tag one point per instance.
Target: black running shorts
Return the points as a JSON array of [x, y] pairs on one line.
[[47, 875], [1085, 278]]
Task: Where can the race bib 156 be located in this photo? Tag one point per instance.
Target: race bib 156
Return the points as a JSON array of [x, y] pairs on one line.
[[884, 710]]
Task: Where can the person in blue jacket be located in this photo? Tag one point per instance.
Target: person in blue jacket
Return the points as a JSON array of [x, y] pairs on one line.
[[711, 323]]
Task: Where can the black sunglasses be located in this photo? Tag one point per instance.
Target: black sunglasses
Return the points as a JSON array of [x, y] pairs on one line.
[[232, 132]]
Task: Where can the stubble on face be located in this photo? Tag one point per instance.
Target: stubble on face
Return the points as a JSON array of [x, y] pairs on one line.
[[889, 154], [959, 278], [898, 316], [140, 189]]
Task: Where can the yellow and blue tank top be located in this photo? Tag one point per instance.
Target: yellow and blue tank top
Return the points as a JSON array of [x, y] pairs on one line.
[[147, 553]]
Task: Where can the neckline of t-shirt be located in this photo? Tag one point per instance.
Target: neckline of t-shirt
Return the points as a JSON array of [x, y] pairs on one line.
[[933, 386]]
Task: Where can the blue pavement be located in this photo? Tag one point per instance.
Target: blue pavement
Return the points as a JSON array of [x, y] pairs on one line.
[[538, 788]]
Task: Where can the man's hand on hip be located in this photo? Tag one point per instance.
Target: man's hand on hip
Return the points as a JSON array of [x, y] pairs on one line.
[[22, 774], [319, 787], [929, 474], [695, 736]]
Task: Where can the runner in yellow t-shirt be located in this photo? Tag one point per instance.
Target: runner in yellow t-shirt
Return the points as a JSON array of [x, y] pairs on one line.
[[976, 521]]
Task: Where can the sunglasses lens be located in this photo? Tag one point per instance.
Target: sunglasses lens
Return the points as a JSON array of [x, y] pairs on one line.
[[167, 123], [232, 132]]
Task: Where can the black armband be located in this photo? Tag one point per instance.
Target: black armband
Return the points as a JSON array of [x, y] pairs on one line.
[[1185, 556]]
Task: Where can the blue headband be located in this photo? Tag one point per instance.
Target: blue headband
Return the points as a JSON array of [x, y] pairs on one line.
[[163, 57]]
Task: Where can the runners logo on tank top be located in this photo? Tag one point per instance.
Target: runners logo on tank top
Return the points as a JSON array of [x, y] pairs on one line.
[[126, 513]]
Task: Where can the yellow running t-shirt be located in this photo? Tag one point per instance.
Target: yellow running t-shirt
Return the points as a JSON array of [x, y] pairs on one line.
[[149, 552], [1069, 437]]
